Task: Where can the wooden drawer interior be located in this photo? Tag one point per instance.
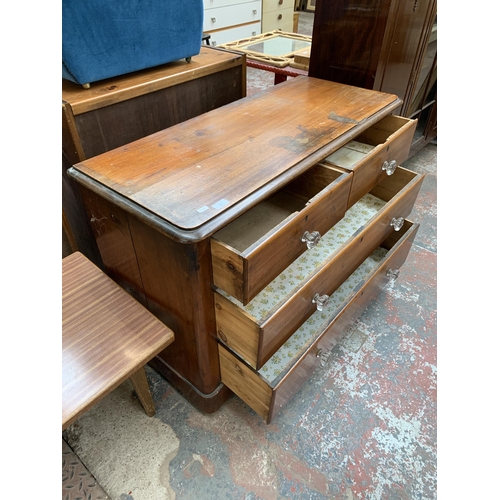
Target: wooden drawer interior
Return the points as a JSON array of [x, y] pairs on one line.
[[375, 153], [256, 330], [354, 152], [268, 389], [254, 248]]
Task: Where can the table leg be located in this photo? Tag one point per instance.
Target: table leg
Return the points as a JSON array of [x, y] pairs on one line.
[[140, 382], [279, 78]]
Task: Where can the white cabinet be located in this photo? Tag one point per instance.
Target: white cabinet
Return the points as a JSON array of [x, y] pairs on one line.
[[230, 20], [277, 15]]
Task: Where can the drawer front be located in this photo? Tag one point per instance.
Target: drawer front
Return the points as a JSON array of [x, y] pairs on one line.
[[272, 5], [233, 34], [213, 4], [256, 340], [375, 153], [267, 396], [278, 20], [311, 204], [232, 15]]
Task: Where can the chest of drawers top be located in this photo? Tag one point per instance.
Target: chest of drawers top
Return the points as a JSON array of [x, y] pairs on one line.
[[193, 178]]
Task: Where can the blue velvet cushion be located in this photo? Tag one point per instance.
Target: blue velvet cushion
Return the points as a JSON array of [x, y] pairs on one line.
[[106, 38]]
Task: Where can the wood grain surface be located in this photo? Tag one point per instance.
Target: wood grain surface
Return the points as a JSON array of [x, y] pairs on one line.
[[193, 171], [106, 336]]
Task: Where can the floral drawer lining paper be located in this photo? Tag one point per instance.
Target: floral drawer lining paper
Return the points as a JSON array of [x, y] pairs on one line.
[[316, 323], [292, 278]]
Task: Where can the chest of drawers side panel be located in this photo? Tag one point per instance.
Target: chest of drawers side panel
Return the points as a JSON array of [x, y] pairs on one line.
[[173, 281], [176, 279], [111, 232]]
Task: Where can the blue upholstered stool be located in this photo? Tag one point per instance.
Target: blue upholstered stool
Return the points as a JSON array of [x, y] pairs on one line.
[[107, 38]]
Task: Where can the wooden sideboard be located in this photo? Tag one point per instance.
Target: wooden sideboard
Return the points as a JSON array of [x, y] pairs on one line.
[[258, 232], [117, 111]]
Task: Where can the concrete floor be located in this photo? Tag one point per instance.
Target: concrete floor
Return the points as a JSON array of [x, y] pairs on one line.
[[362, 427]]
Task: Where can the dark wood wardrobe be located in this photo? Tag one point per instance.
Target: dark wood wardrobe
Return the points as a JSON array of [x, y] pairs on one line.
[[387, 45]]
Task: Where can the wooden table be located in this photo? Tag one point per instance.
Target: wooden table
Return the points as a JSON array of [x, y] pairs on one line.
[[107, 337]]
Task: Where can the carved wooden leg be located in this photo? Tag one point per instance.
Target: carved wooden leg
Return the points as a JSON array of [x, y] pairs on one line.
[[141, 386]]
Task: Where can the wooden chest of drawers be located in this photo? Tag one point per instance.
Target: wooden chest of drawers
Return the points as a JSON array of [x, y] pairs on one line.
[[258, 232]]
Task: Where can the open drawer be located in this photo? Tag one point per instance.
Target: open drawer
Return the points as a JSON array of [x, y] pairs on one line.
[[257, 330], [270, 388], [252, 250], [375, 153]]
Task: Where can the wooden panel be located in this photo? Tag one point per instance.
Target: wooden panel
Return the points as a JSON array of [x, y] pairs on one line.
[[176, 280], [262, 139], [237, 329], [228, 269], [77, 227], [111, 232], [245, 383], [356, 31], [106, 336], [123, 122], [406, 37]]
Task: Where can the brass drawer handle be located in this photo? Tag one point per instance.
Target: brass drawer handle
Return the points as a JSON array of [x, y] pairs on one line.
[[389, 166], [323, 356], [321, 301], [392, 274], [397, 223], [311, 239]]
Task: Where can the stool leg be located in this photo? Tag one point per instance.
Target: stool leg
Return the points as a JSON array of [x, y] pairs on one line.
[[140, 382]]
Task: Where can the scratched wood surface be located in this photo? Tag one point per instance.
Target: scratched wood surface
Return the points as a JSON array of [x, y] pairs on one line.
[[191, 172]]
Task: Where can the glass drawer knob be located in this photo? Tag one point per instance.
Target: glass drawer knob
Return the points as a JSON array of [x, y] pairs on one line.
[[392, 274], [389, 166], [311, 239], [213, 19], [323, 356], [321, 301], [397, 223], [254, 11]]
